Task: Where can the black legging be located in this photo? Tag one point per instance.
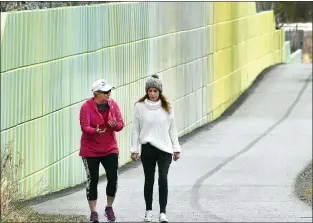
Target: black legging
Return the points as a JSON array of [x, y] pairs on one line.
[[150, 155], [110, 164]]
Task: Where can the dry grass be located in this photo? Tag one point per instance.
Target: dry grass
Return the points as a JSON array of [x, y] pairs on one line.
[[308, 194], [12, 208], [304, 185], [24, 213]]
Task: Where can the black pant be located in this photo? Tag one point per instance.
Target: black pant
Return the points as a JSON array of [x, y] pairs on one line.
[[150, 155], [110, 164]]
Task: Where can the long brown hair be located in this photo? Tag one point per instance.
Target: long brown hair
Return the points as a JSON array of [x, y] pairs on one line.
[[164, 102]]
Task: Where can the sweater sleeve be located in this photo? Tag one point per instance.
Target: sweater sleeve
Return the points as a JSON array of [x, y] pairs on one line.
[[85, 121], [173, 133], [135, 131]]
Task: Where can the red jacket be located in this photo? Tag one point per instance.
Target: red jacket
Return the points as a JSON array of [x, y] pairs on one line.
[[92, 144]]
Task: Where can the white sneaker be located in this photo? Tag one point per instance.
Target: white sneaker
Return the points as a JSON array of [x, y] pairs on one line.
[[148, 216], [163, 218]]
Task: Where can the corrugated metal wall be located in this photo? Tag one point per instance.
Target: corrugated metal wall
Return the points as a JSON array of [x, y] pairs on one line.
[[206, 53]]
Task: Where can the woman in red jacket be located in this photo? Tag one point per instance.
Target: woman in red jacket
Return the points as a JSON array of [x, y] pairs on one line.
[[100, 118]]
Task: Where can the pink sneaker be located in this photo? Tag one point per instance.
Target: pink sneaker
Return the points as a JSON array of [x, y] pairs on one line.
[[94, 217], [109, 213]]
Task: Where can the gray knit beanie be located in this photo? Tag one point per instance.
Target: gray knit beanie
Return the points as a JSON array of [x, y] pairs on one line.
[[154, 82]]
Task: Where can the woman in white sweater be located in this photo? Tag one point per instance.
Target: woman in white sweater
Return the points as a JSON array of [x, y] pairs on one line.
[[154, 128]]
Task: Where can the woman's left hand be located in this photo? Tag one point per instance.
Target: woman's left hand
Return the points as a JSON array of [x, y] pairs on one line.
[[176, 156], [112, 123]]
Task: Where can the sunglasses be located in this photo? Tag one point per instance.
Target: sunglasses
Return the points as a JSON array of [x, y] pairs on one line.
[[105, 92]]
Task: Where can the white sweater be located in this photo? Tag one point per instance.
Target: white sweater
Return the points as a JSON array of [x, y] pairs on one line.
[[154, 125]]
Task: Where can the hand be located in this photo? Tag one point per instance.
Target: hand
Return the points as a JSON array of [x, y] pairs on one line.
[[112, 123], [176, 156], [99, 131], [134, 156]]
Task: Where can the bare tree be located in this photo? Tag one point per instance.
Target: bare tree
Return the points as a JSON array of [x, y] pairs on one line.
[[287, 12], [27, 5], [264, 6]]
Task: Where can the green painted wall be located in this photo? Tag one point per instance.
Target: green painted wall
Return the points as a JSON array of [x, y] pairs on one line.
[[206, 53]]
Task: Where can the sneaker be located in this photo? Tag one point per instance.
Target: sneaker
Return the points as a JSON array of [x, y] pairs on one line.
[[109, 213], [163, 218], [94, 217], [148, 216]]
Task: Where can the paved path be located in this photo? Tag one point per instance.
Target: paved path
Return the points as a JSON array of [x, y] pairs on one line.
[[241, 169]]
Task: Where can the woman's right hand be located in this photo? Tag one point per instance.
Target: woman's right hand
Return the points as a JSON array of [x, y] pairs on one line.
[[99, 131], [134, 156]]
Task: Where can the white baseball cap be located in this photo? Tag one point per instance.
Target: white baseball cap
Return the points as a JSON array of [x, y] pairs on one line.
[[101, 85]]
